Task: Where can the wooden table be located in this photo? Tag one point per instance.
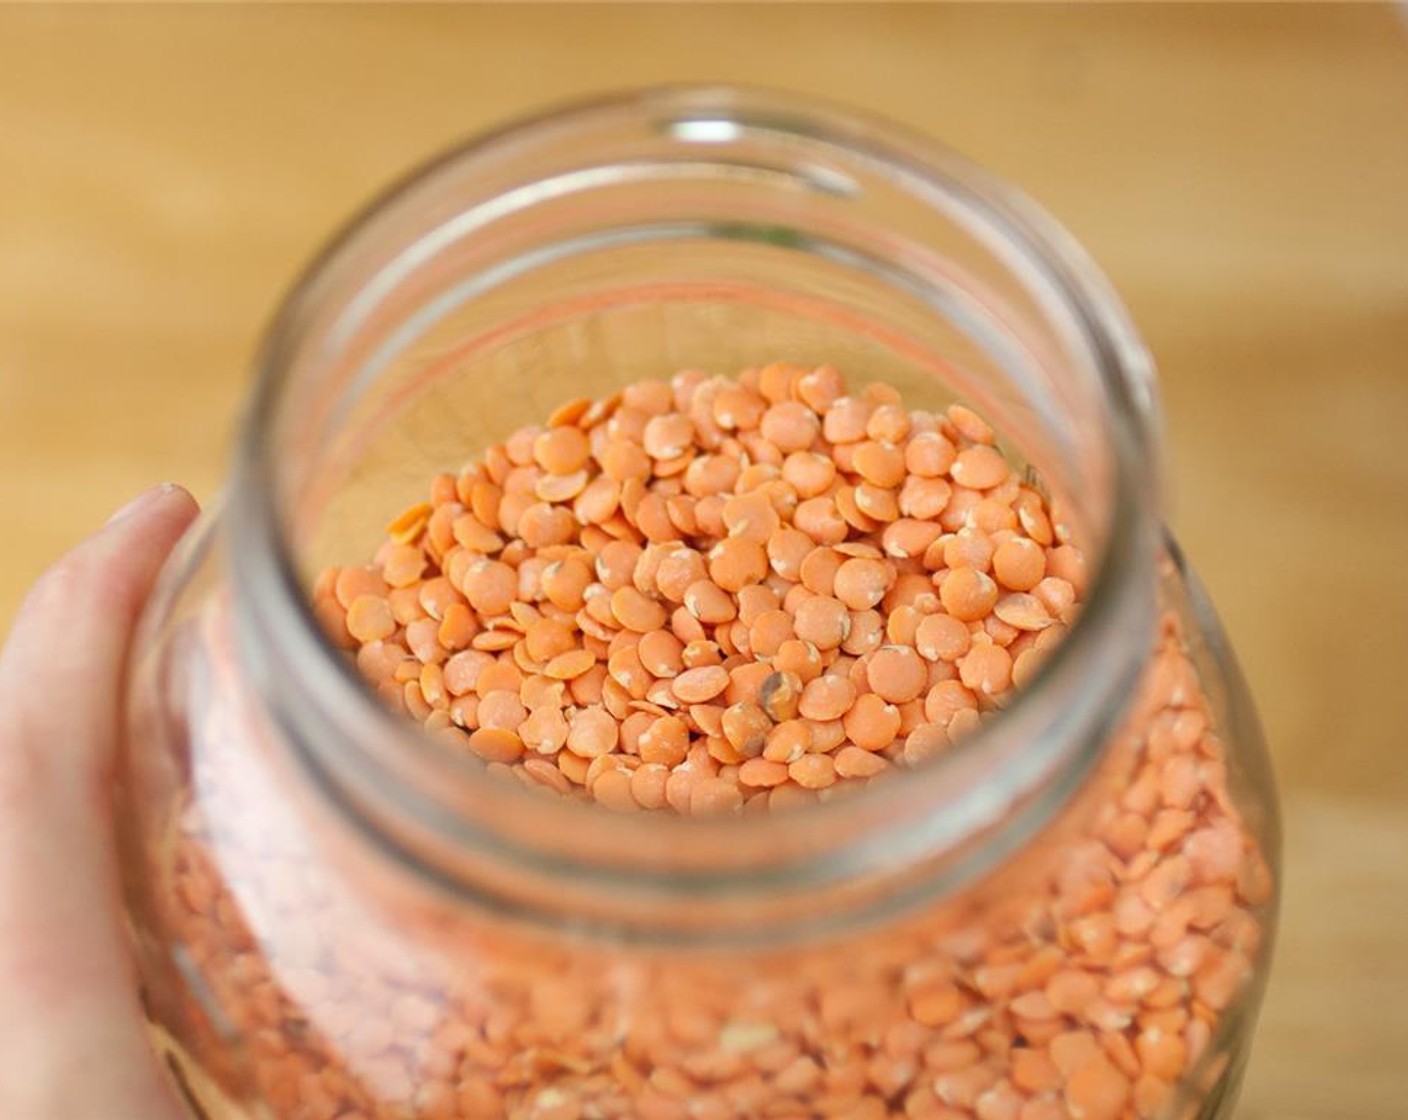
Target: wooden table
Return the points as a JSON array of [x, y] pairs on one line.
[[1241, 173]]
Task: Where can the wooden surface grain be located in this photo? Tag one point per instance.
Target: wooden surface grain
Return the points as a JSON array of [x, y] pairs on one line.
[[1241, 173]]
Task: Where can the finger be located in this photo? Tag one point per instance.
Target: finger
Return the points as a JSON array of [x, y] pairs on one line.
[[72, 1043]]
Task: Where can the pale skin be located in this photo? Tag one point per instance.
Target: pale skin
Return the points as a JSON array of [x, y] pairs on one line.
[[72, 1042]]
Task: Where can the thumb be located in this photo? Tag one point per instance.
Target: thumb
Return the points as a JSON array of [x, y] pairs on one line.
[[72, 1042]]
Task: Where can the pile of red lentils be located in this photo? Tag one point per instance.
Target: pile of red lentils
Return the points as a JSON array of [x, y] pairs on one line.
[[710, 596], [714, 593]]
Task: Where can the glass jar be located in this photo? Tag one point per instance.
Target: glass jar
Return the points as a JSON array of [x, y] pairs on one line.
[[1067, 914]]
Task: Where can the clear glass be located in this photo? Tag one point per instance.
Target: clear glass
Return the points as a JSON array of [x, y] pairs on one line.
[[337, 918]]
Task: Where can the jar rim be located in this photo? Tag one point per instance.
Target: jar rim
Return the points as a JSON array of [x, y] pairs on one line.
[[279, 630]]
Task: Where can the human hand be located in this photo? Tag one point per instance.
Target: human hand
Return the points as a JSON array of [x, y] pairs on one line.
[[72, 1041]]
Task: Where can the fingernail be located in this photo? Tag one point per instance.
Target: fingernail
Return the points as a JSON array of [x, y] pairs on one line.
[[142, 501]]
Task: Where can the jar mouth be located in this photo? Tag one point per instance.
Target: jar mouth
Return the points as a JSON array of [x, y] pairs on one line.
[[957, 815]]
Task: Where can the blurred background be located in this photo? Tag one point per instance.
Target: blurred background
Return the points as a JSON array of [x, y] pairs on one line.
[[1241, 173]]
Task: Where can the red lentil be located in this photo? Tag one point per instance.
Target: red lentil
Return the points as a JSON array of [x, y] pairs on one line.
[[896, 673], [851, 586], [841, 546]]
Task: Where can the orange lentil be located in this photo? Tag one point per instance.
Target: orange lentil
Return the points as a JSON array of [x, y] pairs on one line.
[[821, 520], [745, 681], [889, 423], [369, 619], [960, 512], [612, 789], [820, 388], [648, 785], [819, 569], [780, 694], [761, 772], [1162, 1054], [1096, 1091], [980, 467], [754, 600], [636, 611], [1019, 564], [1056, 595], [822, 621], [561, 450], [861, 583], [501, 709], [775, 380], [1022, 611], [970, 547], [924, 742], [1066, 562], [907, 537], [436, 596], [490, 586], [1003, 633], [787, 550], [403, 564], [546, 638], [788, 741], [986, 668], [570, 665], [714, 796], [881, 464], [698, 653], [962, 723], [845, 420], [737, 406], [871, 722], [538, 692], [813, 771], [789, 426], [912, 589], [716, 596], [667, 436], [896, 674], [737, 562], [544, 730], [652, 398], [745, 725], [941, 637], [593, 733], [967, 595], [680, 567], [867, 631], [598, 501], [351, 584], [695, 686], [873, 505], [768, 633], [750, 515], [808, 473], [661, 653], [709, 603], [826, 698], [637, 725], [496, 744]]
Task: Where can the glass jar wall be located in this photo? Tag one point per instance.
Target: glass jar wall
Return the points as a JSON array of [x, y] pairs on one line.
[[1066, 914]]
